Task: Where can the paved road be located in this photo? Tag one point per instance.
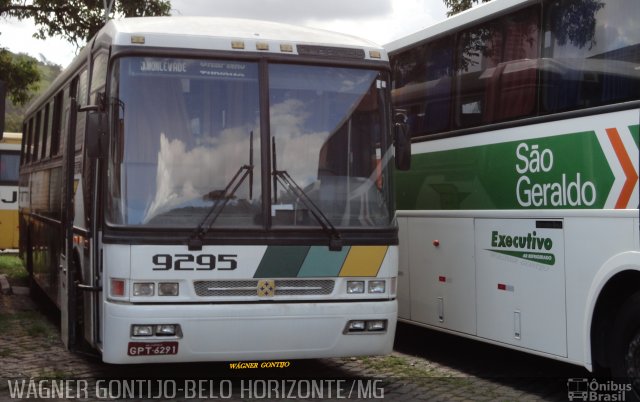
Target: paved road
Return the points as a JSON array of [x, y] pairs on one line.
[[425, 366]]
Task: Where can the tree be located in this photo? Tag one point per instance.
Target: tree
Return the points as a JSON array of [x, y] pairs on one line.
[[75, 20], [15, 109], [457, 6], [78, 20], [20, 75], [572, 21]]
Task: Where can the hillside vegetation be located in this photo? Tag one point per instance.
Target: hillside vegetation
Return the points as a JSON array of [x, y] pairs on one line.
[[15, 113]]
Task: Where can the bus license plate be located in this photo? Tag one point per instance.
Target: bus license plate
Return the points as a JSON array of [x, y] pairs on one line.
[[152, 348]]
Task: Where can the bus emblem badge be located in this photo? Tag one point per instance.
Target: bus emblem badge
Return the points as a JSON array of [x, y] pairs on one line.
[[266, 288]]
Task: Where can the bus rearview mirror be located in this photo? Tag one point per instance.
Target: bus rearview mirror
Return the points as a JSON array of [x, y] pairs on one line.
[[96, 133]]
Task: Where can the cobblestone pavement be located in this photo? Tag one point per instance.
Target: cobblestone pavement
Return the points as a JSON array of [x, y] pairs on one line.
[[425, 366]]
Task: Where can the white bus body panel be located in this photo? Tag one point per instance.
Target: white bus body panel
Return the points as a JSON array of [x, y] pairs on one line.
[[227, 332], [294, 327], [556, 306], [442, 285]]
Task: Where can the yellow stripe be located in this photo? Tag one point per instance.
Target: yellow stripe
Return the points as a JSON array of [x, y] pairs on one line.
[[364, 261], [8, 229]]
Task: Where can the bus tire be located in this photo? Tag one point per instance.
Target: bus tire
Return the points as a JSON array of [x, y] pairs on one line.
[[625, 346]]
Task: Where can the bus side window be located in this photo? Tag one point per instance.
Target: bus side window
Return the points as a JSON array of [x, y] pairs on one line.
[[64, 118], [37, 137], [497, 70], [23, 144], [98, 76], [422, 86], [29, 142], [46, 128], [591, 64], [82, 93], [56, 122]]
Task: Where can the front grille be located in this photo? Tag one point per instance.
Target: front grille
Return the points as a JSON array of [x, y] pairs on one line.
[[249, 287]]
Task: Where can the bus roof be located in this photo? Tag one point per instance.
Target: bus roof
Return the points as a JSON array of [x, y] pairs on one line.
[[198, 32], [217, 33], [11, 138], [462, 20]]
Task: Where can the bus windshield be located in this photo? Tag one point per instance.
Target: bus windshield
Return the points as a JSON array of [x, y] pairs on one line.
[[184, 128], [9, 163]]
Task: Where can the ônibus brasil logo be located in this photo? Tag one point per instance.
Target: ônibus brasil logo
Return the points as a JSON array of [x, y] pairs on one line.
[[529, 247]]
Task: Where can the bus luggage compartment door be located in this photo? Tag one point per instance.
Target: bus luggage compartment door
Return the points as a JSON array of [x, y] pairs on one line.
[[442, 281], [520, 280]]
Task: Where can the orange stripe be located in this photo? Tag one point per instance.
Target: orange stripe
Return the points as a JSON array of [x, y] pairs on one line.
[[627, 167]]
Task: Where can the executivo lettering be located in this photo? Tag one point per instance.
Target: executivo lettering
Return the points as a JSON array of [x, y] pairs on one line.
[[529, 247]]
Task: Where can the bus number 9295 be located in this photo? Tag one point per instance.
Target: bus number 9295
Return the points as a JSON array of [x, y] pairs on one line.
[[190, 262]]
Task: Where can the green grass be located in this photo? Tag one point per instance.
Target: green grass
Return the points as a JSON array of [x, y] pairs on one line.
[[12, 267], [425, 375], [32, 323], [54, 374], [7, 352]]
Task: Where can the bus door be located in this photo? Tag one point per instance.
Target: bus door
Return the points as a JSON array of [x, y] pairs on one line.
[[89, 290], [66, 272]]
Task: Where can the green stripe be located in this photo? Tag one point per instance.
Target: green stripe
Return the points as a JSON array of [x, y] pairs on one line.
[[486, 176], [281, 262], [322, 262]]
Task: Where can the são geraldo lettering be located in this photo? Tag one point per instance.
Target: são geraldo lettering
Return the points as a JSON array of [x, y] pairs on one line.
[[568, 191]]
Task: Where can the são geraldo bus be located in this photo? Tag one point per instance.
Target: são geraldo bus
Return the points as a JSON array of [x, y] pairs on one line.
[[9, 162], [196, 189], [519, 221]]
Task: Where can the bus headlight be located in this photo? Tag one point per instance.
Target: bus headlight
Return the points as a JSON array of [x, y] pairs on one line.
[[377, 286], [166, 330], [376, 325], [365, 327], [356, 326], [168, 289], [143, 289], [142, 330], [355, 287]]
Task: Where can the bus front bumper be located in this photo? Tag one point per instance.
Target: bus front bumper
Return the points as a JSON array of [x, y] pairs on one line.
[[241, 332]]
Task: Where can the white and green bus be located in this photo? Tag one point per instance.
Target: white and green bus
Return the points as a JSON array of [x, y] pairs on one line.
[[519, 221], [199, 189]]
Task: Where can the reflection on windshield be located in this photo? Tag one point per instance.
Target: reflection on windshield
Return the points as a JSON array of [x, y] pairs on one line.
[[327, 129], [183, 131], [183, 128]]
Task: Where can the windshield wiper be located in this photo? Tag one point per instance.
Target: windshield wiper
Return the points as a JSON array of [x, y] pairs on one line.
[[221, 198], [282, 176]]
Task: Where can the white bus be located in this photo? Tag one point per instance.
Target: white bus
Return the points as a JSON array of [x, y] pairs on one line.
[[9, 162], [200, 189], [519, 221]]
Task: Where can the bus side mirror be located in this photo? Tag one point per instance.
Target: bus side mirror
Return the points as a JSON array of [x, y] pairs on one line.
[[96, 133], [402, 141]]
